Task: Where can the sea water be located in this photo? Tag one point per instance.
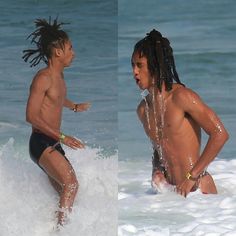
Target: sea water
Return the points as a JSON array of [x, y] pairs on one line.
[[27, 201], [202, 35]]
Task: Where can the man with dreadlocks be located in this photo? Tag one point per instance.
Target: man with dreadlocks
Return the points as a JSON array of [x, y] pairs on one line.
[[44, 110], [172, 116]]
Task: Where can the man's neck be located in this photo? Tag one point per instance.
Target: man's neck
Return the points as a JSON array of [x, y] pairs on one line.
[[156, 92], [55, 66]]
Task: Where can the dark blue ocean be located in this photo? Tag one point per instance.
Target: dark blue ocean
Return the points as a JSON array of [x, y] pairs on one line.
[[202, 35]]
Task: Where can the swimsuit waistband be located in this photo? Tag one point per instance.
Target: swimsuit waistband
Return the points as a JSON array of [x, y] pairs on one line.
[[37, 131]]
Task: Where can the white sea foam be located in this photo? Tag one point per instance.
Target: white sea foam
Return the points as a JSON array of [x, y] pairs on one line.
[[28, 202], [143, 213], [7, 126]]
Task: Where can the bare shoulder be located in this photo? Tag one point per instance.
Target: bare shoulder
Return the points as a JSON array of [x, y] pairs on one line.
[[141, 110], [41, 80], [183, 93], [183, 96]]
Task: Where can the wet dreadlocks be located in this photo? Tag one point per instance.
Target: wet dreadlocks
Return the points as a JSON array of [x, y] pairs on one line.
[[47, 36], [160, 59]]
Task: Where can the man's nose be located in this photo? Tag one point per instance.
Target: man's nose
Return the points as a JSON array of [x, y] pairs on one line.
[[135, 70]]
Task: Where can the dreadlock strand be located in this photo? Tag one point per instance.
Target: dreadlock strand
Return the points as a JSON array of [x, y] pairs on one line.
[[46, 36], [176, 76]]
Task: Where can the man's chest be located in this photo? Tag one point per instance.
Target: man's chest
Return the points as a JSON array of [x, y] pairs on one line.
[[160, 123], [57, 92]]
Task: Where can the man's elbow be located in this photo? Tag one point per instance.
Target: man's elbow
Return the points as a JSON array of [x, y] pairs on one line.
[[30, 118], [223, 136], [226, 136]]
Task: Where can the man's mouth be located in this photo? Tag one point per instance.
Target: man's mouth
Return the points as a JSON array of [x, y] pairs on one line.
[[137, 80]]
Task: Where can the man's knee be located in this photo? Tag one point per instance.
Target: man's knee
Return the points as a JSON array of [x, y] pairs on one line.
[[70, 183]]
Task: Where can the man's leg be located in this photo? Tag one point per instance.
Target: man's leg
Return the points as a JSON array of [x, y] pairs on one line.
[[61, 171], [207, 184], [55, 185]]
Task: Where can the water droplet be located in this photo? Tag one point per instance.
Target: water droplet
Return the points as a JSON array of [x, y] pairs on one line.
[[218, 128]]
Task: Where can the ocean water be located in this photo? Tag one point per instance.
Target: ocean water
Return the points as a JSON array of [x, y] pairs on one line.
[[27, 201], [202, 35]]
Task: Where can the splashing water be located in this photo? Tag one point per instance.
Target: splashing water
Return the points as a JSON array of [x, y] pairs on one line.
[[155, 116], [190, 162], [26, 194], [218, 128], [158, 121], [144, 94], [169, 214]]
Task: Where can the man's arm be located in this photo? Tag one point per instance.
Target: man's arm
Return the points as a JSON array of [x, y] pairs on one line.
[[76, 107], [142, 116], [192, 104], [69, 104]]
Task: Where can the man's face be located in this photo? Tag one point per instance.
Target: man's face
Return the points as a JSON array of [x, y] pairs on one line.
[[68, 53], [141, 72]]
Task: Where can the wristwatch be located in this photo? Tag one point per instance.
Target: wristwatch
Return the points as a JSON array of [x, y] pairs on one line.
[[190, 177]]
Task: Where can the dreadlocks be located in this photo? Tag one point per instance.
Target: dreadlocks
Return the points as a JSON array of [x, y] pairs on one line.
[[160, 58], [47, 36]]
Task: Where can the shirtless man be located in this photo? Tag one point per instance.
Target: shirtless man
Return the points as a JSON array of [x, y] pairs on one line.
[[172, 116], [44, 111]]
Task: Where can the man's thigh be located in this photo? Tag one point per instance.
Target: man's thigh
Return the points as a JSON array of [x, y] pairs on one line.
[[56, 165], [207, 184]]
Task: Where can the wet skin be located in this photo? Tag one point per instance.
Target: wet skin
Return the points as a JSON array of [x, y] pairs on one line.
[[173, 121]]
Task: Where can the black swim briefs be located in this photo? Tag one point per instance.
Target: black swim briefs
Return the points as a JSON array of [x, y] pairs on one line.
[[39, 142]]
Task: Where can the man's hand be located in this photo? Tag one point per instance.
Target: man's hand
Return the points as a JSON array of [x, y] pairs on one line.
[[82, 107], [185, 187], [72, 142]]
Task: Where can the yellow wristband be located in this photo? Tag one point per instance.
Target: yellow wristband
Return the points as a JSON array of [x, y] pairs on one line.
[[62, 137], [190, 177]]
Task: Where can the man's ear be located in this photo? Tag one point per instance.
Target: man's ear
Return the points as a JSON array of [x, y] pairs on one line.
[[58, 52]]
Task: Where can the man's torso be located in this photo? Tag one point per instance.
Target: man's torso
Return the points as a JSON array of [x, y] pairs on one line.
[[174, 134], [52, 105]]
